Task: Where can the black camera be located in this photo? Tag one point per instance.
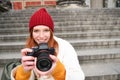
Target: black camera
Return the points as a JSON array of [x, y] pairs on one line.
[[42, 52]]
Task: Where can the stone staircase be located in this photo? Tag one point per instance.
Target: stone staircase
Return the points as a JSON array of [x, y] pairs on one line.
[[94, 33]]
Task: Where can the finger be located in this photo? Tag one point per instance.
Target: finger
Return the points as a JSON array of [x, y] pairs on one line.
[[54, 58], [28, 63], [25, 50], [27, 58]]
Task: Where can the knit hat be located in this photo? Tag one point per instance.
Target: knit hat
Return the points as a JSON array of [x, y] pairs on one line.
[[41, 17]]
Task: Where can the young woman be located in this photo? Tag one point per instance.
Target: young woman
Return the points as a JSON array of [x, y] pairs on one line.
[[65, 64]]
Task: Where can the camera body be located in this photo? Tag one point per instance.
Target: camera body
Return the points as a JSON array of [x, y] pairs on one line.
[[42, 52]]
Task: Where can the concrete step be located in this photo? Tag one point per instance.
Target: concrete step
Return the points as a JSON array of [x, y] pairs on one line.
[[102, 71], [85, 18], [85, 28], [92, 56], [63, 18], [110, 22], [67, 23], [97, 71], [85, 56], [81, 29], [89, 35], [22, 36], [78, 44], [95, 43], [14, 25], [11, 46], [13, 38], [99, 56], [94, 70], [9, 57], [19, 30], [69, 28], [55, 15], [67, 12]]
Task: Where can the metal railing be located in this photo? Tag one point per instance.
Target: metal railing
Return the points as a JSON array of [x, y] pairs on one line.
[[62, 2]]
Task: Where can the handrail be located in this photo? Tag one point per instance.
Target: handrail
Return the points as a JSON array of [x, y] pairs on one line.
[[62, 2]]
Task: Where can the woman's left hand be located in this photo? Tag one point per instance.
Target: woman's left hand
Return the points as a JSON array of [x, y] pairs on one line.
[[41, 73]]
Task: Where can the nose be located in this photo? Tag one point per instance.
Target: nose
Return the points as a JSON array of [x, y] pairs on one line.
[[41, 34]]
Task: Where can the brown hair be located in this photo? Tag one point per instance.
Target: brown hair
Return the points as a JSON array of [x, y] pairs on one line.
[[51, 43]]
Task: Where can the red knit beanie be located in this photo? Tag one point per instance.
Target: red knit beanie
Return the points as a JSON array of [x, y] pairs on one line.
[[41, 17]]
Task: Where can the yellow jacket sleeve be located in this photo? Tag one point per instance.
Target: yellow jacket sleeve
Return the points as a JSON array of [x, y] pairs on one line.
[[21, 74], [59, 72]]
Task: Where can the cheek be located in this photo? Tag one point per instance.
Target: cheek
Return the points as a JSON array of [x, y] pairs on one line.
[[48, 36], [34, 36]]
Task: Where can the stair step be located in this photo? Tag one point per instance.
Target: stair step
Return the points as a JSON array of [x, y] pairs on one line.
[[14, 25], [67, 12], [63, 18], [102, 71], [13, 31], [94, 33], [99, 55], [62, 28], [86, 56], [22, 36], [67, 23], [95, 43], [18, 28], [11, 46], [78, 44], [9, 57], [13, 38], [84, 18], [96, 71], [89, 35], [72, 21]]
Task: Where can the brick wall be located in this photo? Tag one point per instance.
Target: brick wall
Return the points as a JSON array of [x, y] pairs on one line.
[[19, 4], [53, 3], [29, 4]]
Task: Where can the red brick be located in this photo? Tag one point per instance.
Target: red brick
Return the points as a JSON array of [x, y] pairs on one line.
[[50, 2], [17, 5], [33, 3]]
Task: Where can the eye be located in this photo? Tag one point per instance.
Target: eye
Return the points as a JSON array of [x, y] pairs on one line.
[[47, 30], [35, 30]]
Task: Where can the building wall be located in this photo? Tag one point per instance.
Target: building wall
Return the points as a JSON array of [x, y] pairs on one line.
[[96, 3], [22, 4]]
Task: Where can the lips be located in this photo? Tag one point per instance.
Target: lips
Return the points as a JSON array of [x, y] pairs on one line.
[[41, 41]]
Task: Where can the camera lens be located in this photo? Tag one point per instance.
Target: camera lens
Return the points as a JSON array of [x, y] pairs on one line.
[[44, 64]]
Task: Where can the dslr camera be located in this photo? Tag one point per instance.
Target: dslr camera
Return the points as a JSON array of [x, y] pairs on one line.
[[42, 52]]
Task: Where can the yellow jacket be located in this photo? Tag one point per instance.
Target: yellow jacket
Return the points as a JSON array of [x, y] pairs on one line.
[[18, 73]]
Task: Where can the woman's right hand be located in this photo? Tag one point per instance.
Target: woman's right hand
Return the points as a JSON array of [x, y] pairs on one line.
[[27, 61]]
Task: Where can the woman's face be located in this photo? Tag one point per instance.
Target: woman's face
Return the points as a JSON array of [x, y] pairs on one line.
[[41, 34]]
